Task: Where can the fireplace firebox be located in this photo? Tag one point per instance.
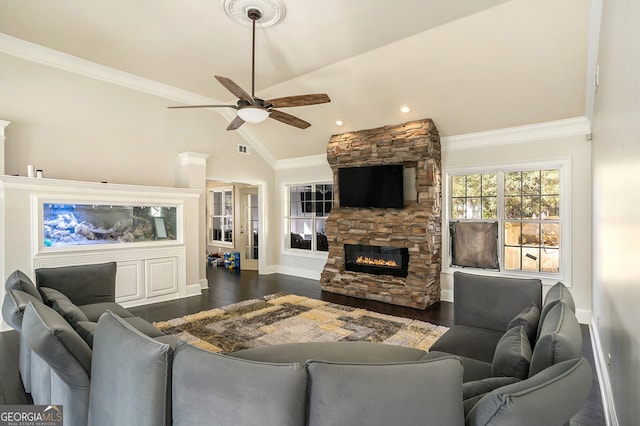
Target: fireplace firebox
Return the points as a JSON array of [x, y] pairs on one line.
[[377, 260]]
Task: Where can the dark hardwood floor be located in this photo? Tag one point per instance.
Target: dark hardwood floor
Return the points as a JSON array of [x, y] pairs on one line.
[[230, 287]]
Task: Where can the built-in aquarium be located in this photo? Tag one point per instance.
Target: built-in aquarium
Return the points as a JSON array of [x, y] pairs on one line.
[[88, 224]]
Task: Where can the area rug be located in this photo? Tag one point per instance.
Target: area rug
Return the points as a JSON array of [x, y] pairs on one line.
[[285, 318]]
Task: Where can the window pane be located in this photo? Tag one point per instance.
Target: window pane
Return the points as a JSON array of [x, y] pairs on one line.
[[321, 235], [512, 233], [473, 186], [530, 207], [551, 234], [512, 258], [474, 209], [551, 181], [489, 208], [530, 259], [489, 185], [550, 207], [531, 182], [216, 229], [512, 208], [531, 234], [512, 184], [217, 203], [458, 208], [550, 260], [458, 186], [301, 234]]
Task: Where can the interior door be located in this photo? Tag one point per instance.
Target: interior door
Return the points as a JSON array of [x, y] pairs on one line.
[[249, 228]]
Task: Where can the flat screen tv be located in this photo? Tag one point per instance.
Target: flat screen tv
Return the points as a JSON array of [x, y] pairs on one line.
[[371, 186]]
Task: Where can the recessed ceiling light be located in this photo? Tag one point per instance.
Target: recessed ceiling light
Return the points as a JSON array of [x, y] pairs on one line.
[[339, 123], [405, 109]]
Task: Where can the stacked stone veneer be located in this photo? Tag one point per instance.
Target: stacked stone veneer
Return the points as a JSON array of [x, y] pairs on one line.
[[417, 226]]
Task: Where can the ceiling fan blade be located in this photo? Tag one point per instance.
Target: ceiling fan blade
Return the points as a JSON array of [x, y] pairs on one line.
[[300, 100], [234, 88], [203, 106], [237, 122], [288, 119]]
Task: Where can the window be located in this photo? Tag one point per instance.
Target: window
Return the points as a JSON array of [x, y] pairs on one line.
[[526, 204], [307, 207], [221, 215]]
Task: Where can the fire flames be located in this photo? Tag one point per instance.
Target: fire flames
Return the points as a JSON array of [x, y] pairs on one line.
[[363, 260]]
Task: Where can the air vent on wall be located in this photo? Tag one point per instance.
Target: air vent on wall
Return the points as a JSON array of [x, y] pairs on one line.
[[244, 149]]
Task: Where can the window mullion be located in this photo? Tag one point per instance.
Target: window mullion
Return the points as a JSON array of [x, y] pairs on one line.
[[500, 216]]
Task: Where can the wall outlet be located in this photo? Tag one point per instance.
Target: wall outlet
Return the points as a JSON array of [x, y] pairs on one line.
[[609, 359], [244, 149]]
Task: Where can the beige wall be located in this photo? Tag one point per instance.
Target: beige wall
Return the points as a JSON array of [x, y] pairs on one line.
[[78, 128], [578, 150], [616, 200]]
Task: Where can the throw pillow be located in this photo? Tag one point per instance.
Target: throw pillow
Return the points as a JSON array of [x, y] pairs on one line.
[[512, 355], [528, 318], [385, 394]]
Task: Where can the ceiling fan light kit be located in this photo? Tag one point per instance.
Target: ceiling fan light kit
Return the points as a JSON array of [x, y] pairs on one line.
[[250, 108], [253, 114]]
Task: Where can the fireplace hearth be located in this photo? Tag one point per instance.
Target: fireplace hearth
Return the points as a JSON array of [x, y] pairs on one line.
[[377, 260]]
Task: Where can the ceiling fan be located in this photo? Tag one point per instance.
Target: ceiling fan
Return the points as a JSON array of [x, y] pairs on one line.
[[255, 110]]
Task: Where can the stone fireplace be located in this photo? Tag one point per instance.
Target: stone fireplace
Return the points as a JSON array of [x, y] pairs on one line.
[[389, 255]]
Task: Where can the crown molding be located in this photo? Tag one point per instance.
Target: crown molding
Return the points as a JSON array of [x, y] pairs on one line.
[[53, 58], [520, 134]]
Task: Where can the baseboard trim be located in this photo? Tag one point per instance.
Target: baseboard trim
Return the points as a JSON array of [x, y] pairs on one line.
[[298, 272], [602, 371], [446, 295]]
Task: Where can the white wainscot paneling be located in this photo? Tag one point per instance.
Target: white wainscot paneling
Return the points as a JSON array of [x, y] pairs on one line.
[[129, 281], [162, 276]]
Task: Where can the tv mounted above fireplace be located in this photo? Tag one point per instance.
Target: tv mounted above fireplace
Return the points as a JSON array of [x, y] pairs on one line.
[[371, 186]]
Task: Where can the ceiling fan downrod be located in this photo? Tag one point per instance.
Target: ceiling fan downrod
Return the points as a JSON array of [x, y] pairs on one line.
[[254, 15]]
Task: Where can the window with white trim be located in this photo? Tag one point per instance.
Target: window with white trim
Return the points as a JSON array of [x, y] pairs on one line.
[[526, 204], [306, 208], [221, 216]]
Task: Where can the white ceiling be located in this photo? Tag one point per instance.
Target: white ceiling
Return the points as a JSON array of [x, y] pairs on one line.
[[470, 65]]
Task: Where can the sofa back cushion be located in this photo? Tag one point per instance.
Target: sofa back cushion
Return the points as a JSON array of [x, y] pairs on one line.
[[53, 339], [82, 284], [13, 306], [512, 355], [492, 302], [529, 318], [560, 339], [130, 376], [551, 397], [558, 293], [214, 389], [424, 392], [18, 280]]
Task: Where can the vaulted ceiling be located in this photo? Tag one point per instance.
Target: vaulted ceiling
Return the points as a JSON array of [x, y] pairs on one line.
[[470, 65]]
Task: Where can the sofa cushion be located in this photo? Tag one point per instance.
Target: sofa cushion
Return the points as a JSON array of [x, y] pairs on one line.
[[87, 329], [492, 302], [558, 293], [62, 305], [94, 310], [472, 368], [560, 339], [529, 318], [551, 397], [331, 351], [13, 306], [385, 394], [130, 376], [210, 387], [472, 392], [513, 355], [53, 339], [470, 342], [18, 280], [83, 284]]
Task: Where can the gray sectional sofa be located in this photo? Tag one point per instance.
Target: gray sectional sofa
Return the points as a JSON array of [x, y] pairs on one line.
[[510, 359]]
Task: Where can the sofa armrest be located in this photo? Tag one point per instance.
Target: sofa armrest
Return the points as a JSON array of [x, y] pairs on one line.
[[492, 302], [83, 284]]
